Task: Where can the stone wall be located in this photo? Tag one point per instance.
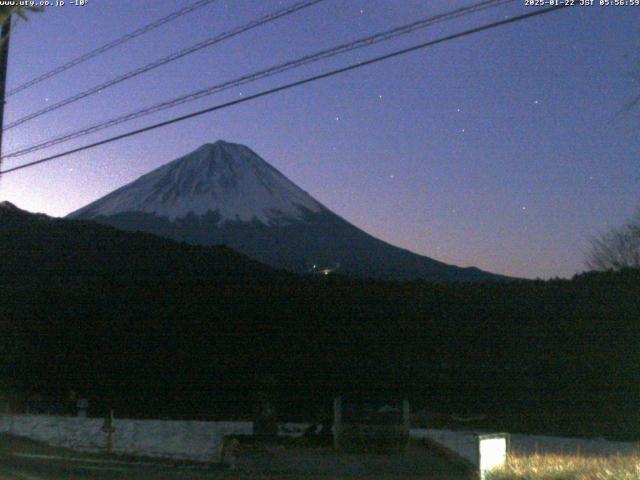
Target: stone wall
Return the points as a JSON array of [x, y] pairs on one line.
[[186, 440], [462, 444]]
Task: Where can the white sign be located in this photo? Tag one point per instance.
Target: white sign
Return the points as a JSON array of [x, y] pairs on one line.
[[492, 452]]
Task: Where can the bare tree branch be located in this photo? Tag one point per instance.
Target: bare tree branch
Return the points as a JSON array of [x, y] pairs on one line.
[[617, 249]]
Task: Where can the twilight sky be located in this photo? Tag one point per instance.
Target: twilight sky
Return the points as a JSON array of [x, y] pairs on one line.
[[506, 150]]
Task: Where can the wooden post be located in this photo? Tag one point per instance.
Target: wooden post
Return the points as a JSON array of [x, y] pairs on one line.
[[337, 422], [109, 429], [406, 421]]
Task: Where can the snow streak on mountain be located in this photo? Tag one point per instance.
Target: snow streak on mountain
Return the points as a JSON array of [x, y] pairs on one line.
[[226, 178]]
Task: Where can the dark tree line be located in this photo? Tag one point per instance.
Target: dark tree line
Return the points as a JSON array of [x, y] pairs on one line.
[[160, 329]]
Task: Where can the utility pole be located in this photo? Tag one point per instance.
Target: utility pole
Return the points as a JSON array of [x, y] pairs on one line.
[[4, 60]]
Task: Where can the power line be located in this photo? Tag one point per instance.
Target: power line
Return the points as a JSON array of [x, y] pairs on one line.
[[170, 58], [288, 86], [104, 48], [261, 74]]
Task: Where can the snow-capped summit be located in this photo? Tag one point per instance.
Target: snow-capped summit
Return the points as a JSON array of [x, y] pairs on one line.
[[223, 193], [222, 177]]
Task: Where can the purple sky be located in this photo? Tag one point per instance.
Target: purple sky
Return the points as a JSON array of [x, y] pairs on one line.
[[506, 150]]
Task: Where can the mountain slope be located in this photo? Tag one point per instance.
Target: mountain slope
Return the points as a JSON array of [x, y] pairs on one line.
[[224, 193], [44, 249], [153, 328]]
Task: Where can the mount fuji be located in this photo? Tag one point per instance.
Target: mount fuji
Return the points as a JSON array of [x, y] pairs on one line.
[[224, 193]]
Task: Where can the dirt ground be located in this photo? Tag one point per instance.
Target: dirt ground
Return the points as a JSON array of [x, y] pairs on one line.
[[27, 460], [277, 461]]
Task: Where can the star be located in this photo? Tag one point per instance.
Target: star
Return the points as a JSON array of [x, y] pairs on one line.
[[536, 102], [337, 119]]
